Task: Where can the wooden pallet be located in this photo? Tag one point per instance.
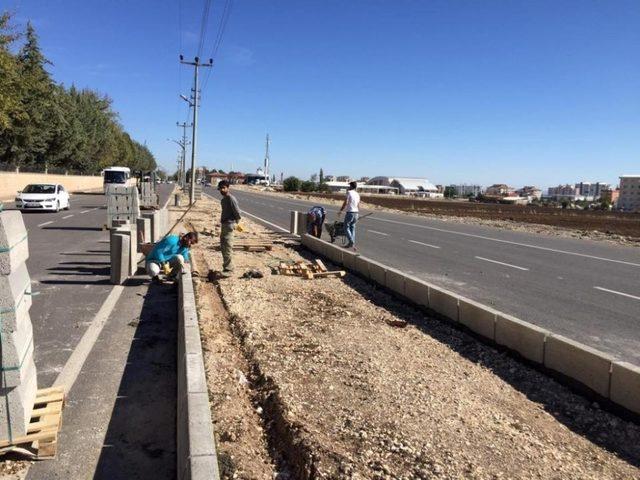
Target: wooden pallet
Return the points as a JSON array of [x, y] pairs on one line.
[[316, 269], [41, 440]]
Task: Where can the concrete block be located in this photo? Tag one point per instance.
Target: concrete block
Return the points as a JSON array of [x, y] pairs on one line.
[[15, 298], [302, 223], [334, 253], [14, 247], [349, 260], [377, 272], [443, 302], [361, 266], [143, 227], [416, 291], [200, 425], [15, 353], [120, 257], [293, 222], [196, 378], [625, 385], [587, 365], [203, 468], [477, 317], [395, 281], [523, 337], [16, 405], [154, 220]]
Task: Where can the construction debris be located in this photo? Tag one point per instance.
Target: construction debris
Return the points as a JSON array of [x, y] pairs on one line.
[[317, 269]]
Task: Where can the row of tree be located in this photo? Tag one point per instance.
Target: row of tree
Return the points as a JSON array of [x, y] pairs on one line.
[[44, 125]]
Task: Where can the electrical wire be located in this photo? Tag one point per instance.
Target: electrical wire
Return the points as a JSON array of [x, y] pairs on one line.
[[226, 12], [204, 24]]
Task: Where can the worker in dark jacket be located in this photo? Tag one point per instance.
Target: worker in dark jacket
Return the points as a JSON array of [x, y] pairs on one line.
[[229, 219]]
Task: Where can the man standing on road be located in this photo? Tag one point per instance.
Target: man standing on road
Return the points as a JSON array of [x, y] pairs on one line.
[[351, 203], [169, 254], [228, 220]]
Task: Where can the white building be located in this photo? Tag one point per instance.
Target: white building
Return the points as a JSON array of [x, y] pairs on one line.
[[629, 199], [408, 186], [562, 192], [590, 191], [467, 190], [341, 187]]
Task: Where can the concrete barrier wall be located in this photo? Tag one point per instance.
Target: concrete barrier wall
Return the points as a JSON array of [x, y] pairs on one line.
[[196, 450], [11, 182], [617, 381]]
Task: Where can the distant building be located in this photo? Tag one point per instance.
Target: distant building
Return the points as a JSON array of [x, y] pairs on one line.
[[464, 190], [343, 178], [629, 199], [500, 190], [329, 178], [562, 192], [440, 188], [610, 195], [341, 187], [530, 193], [590, 191], [408, 186], [364, 179]]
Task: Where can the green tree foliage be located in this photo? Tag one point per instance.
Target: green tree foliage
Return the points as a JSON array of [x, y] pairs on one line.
[[449, 192], [44, 125], [291, 184], [308, 186]]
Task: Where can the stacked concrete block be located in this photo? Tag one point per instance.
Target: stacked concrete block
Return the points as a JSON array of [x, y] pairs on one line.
[[18, 383], [148, 196], [123, 203], [120, 257]]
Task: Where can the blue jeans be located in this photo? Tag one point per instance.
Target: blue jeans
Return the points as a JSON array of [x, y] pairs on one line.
[[350, 220]]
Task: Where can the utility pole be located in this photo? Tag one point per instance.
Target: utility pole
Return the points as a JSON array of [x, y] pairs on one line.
[[196, 65], [266, 158], [184, 127]]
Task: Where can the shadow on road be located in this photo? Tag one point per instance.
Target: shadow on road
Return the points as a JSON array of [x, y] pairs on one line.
[[141, 438], [80, 270], [576, 412]]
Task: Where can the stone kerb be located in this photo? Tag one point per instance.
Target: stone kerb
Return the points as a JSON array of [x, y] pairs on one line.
[[477, 318], [196, 451], [18, 382], [443, 302], [625, 385], [580, 362], [523, 337]]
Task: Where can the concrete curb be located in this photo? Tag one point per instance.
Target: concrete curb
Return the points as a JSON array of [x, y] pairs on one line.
[[599, 373], [196, 450]]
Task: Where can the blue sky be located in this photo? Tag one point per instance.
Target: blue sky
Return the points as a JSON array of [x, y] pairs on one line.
[[478, 91]]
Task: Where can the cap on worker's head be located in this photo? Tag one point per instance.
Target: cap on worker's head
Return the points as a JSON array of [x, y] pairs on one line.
[[223, 183], [353, 185]]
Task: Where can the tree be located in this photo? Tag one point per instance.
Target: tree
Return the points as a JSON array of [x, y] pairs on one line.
[[291, 184], [308, 186], [321, 179], [449, 192]]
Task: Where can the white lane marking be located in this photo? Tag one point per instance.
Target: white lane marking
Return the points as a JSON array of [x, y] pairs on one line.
[[85, 211], [45, 223], [72, 368], [617, 293], [67, 216], [499, 240], [267, 222], [379, 233], [425, 244], [501, 263]]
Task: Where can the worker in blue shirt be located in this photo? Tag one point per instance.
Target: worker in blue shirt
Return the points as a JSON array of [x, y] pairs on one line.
[[170, 253]]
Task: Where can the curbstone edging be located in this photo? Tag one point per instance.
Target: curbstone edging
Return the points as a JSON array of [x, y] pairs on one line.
[[196, 450], [617, 381]]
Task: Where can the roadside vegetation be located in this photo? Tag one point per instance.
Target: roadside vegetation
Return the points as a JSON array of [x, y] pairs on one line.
[[48, 126]]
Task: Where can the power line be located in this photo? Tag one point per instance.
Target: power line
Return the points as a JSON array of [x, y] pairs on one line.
[[204, 23], [226, 12]]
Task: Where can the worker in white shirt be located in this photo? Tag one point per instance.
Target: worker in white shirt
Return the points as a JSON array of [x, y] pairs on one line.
[[351, 204]]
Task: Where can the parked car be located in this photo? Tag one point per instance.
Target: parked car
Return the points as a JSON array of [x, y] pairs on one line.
[[43, 196]]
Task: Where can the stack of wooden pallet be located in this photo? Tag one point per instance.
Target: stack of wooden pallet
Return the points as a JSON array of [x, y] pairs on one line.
[[248, 245], [315, 269]]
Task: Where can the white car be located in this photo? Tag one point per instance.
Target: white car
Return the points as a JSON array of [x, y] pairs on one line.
[[43, 196]]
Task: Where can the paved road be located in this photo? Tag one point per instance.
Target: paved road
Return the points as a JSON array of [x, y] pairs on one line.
[[586, 290], [128, 377]]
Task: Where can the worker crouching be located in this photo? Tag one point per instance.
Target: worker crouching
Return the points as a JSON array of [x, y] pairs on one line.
[[169, 255]]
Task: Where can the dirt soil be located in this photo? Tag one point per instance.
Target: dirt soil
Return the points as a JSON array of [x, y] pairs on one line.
[[337, 388], [614, 227]]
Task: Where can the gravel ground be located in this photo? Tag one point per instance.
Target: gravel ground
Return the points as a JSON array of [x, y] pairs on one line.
[[540, 229], [343, 391]]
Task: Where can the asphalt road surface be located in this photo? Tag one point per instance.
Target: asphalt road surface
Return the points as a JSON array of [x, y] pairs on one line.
[[586, 290]]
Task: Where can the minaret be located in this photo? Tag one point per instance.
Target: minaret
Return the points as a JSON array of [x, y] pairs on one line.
[[266, 157]]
